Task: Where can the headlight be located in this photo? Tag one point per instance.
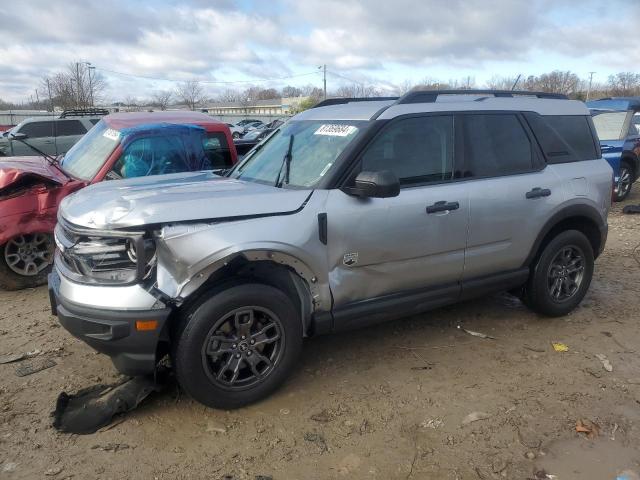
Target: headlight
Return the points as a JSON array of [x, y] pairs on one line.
[[106, 259]]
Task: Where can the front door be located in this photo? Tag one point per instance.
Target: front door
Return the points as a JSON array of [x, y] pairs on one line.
[[383, 246]]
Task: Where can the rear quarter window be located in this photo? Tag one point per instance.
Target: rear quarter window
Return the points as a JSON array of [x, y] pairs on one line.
[[564, 138], [66, 128]]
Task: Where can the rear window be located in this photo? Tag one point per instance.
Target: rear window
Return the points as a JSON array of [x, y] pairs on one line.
[[495, 145], [610, 125], [66, 128]]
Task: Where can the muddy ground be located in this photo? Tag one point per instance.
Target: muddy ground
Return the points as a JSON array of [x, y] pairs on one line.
[[383, 403]]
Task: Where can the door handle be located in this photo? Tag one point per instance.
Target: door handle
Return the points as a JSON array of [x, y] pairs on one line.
[[443, 206], [538, 192]]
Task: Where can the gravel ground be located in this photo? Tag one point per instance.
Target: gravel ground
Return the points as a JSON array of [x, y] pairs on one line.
[[387, 402]]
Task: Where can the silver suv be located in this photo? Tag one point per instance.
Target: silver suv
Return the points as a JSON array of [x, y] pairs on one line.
[[347, 215], [53, 135]]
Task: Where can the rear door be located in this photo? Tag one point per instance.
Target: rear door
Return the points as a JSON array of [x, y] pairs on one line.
[[68, 132], [511, 192], [40, 134]]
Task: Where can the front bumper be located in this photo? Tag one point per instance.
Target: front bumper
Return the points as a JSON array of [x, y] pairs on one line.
[[111, 331]]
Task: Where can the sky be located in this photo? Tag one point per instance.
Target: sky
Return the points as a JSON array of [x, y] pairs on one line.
[[143, 46]]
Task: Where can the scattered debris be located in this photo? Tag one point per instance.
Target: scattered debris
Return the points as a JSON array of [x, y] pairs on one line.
[[323, 417], [54, 471], [606, 364], [9, 467], [631, 209], [474, 417], [530, 455], [111, 447], [432, 423], [317, 439], [593, 372], [216, 427], [534, 349], [542, 475], [560, 347], [475, 334], [93, 408], [592, 429], [35, 366], [613, 432], [16, 357], [285, 411]]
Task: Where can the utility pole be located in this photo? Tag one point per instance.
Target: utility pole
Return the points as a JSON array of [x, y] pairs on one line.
[[50, 99], [37, 97], [324, 79], [513, 87], [90, 84], [78, 84], [589, 87]]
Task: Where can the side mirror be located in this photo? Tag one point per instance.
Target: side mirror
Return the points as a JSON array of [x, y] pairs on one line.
[[382, 184], [18, 136]]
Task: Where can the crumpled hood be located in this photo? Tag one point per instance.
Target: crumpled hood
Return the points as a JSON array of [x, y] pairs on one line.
[[175, 198], [14, 169]]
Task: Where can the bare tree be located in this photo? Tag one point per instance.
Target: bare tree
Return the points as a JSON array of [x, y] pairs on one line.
[[191, 93], [77, 87], [289, 92], [230, 95], [624, 83], [132, 104], [357, 90], [162, 99]]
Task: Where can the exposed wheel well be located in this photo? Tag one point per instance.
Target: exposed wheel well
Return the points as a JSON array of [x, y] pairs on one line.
[[274, 274], [581, 223]]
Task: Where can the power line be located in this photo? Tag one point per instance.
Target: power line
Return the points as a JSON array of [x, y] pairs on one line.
[[221, 82], [346, 78]]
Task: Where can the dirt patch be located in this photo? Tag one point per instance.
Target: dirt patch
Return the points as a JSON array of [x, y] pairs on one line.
[[392, 401]]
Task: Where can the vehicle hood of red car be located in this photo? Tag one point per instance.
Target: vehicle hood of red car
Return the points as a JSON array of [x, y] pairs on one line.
[[17, 169]]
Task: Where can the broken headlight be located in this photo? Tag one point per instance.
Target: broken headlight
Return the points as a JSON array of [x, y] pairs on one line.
[[106, 259]]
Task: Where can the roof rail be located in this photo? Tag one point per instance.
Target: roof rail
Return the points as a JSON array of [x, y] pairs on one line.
[[430, 96], [341, 101], [84, 112]]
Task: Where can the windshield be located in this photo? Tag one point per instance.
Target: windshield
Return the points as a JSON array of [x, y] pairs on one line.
[[316, 146], [609, 125], [87, 156]]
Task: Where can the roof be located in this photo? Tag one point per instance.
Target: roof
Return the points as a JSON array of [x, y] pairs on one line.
[[122, 120], [460, 102]]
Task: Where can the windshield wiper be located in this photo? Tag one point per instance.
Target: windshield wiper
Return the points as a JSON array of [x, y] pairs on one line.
[[49, 158], [286, 165]]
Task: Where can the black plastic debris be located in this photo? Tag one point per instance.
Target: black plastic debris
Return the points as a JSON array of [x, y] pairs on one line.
[[34, 366], [94, 407], [631, 209]]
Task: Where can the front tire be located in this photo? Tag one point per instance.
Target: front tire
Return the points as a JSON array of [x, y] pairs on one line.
[[25, 261], [236, 135], [561, 276], [237, 346], [625, 182]]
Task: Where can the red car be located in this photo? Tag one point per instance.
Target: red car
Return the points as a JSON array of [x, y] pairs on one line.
[[121, 145]]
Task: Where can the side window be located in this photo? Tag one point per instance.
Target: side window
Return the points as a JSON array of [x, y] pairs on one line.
[[495, 145], [152, 156], [94, 120], [38, 129], [217, 150], [417, 150], [575, 131], [66, 128]]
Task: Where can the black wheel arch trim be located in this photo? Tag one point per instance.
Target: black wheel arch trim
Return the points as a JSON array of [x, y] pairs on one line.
[[569, 212]]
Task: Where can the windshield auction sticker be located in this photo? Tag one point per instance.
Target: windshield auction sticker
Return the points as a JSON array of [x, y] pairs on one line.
[[111, 134], [336, 130]]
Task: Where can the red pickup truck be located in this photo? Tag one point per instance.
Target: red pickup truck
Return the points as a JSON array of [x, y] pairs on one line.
[[121, 145]]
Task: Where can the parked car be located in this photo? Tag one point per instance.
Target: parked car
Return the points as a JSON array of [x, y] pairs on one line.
[[236, 131], [250, 140], [51, 135], [121, 145], [246, 121], [616, 121], [348, 215], [253, 126]]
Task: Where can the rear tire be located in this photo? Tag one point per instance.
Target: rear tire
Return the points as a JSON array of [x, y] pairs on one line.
[[237, 346], [11, 264], [625, 182], [561, 275]]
